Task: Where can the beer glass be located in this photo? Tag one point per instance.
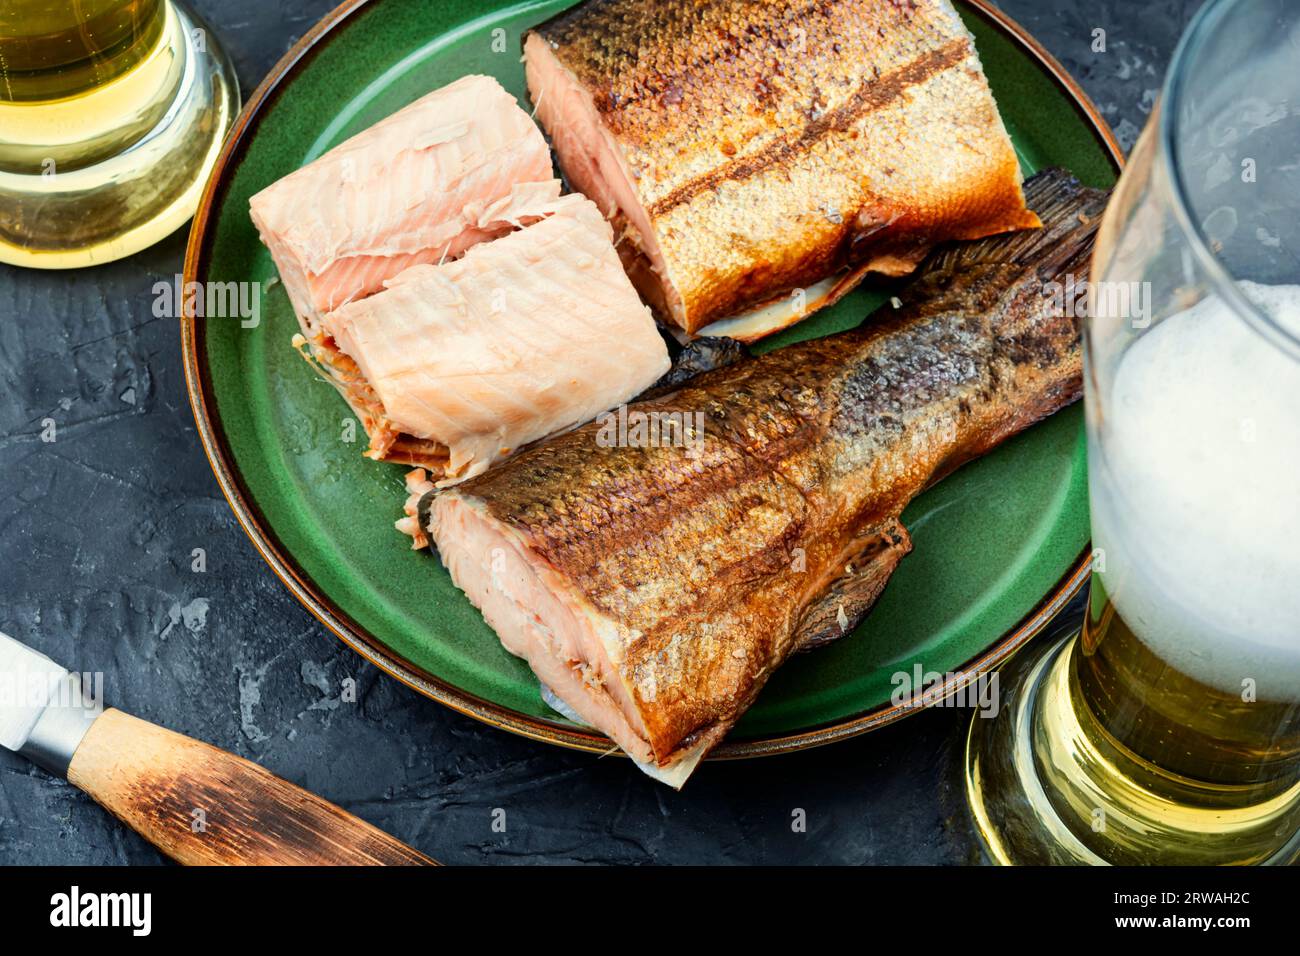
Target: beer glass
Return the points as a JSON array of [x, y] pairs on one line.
[[112, 113], [1168, 731]]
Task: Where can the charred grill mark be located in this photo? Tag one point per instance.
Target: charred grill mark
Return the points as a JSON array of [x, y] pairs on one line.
[[636, 495], [606, 19], [871, 96]]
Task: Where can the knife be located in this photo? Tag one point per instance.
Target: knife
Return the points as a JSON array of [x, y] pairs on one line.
[[197, 804]]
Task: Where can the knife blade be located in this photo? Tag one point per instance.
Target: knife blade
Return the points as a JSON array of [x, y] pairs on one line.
[[196, 803], [44, 710]]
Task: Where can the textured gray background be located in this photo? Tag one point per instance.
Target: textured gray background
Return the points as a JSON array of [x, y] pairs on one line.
[[97, 529]]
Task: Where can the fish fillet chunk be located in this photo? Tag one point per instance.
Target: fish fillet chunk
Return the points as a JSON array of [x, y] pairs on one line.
[[455, 366], [414, 188], [655, 589], [749, 150]]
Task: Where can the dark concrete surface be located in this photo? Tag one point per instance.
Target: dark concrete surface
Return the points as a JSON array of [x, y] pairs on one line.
[[97, 531]]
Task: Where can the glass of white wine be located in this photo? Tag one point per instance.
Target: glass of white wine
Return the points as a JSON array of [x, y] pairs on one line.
[[1168, 731], [112, 113]]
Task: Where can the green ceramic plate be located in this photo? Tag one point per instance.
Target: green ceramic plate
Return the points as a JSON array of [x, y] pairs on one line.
[[998, 546]]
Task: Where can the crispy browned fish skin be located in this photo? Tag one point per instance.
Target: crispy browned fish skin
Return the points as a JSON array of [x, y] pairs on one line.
[[716, 568], [773, 143]]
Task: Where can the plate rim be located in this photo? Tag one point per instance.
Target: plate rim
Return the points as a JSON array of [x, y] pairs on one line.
[[360, 640]]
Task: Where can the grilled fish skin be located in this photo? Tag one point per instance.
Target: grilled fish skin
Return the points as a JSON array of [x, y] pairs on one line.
[[747, 147], [670, 585]]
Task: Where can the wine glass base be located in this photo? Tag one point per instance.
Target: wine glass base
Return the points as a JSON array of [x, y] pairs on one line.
[[68, 212], [1045, 785]]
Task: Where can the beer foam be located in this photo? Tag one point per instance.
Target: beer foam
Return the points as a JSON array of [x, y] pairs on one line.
[[1196, 497]]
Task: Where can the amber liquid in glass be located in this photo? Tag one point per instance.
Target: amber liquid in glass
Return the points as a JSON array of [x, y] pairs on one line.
[[55, 49], [112, 113], [1173, 721]]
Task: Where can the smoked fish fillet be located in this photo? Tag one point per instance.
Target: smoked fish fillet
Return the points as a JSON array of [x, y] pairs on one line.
[[654, 590], [455, 366], [414, 188], [759, 157]]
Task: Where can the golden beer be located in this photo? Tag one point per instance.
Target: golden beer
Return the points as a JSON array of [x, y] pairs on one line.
[[54, 49], [1167, 730], [1195, 730], [112, 112]]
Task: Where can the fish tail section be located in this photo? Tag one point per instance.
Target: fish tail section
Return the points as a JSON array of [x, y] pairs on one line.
[[1070, 214]]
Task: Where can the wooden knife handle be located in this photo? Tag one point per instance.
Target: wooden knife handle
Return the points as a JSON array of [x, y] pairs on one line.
[[201, 805]]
